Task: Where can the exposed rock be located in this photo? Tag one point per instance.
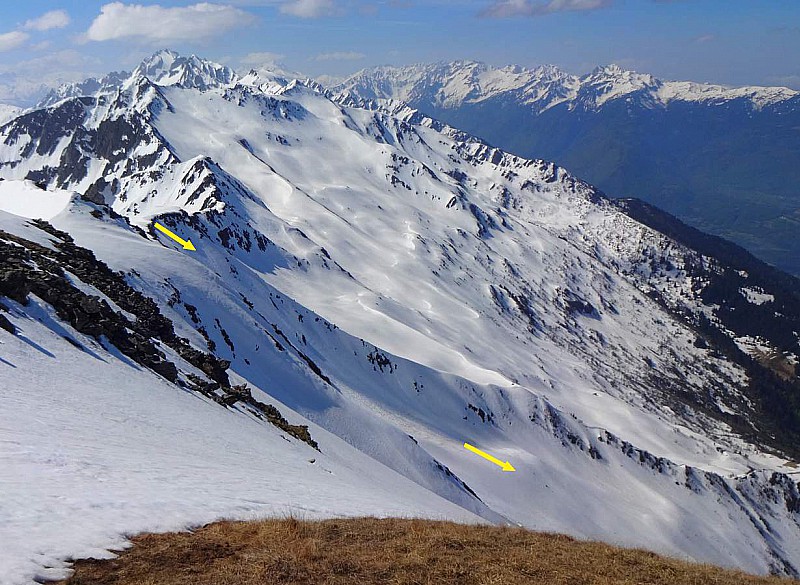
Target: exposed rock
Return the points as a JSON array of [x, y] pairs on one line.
[[7, 325], [29, 268]]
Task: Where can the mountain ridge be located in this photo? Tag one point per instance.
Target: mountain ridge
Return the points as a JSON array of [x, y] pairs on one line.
[[722, 159], [533, 86]]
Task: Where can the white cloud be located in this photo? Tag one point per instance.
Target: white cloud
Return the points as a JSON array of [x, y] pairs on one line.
[[318, 8], [12, 40], [308, 8], [262, 58], [508, 8], [340, 56], [155, 23], [48, 21]]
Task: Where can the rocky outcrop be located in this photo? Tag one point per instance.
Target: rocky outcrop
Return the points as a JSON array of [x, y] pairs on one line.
[[28, 268]]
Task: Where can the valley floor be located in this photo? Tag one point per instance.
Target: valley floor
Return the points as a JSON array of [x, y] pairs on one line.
[[398, 551]]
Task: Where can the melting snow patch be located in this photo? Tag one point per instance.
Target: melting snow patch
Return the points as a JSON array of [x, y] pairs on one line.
[[756, 296]]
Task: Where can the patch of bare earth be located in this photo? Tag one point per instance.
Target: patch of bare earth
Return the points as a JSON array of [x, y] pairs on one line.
[[367, 551]]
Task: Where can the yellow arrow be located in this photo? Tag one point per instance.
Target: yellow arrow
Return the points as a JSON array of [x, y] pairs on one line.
[[505, 465], [187, 244]]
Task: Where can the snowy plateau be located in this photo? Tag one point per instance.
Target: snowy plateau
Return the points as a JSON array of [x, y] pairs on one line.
[[370, 290]]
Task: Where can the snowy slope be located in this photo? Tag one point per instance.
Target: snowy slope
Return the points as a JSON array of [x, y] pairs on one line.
[[403, 290], [96, 448], [7, 112], [27, 200]]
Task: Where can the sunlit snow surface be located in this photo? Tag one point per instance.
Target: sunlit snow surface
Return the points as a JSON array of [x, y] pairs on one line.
[[93, 448], [27, 200], [385, 239], [7, 112]]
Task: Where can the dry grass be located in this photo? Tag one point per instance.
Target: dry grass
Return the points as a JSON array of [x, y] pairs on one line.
[[368, 551]]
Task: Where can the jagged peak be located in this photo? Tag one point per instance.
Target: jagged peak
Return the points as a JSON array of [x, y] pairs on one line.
[[614, 73], [464, 64], [166, 67], [550, 71], [608, 82], [161, 58], [611, 70], [268, 79], [89, 87]]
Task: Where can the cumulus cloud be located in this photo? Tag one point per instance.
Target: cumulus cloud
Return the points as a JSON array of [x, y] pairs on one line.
[[12, 40], [308, 8], [340, 56], [262, 58], [508, 8], [48, 21], [156, 23]]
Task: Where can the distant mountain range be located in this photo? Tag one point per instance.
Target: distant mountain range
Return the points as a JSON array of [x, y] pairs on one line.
[[725, 160]]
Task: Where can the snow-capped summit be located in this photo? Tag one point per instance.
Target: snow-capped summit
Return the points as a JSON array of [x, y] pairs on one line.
[[272, 79], [382, 288], [161, 60], [167, 67], [611, 82], [164, 67], [547, 72]]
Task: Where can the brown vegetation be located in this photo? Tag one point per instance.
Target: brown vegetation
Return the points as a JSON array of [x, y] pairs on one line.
[[398, 552]]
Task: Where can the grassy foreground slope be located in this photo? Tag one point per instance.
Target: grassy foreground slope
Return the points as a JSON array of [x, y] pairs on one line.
[[369, 551]]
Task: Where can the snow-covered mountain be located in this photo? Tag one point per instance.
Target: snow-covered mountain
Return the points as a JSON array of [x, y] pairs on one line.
[[7, 112], [369, 291], [457, 83], [167, 67], [723, 159]]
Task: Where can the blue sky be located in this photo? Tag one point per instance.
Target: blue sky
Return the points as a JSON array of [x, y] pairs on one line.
[[737, 42]]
